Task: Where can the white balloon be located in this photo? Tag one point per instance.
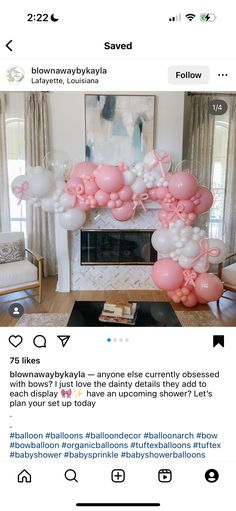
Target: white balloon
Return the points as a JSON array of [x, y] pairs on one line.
[[161, 241], [60, 185], [48, 204], [41, 183], [129, 177], [66, 201], [72, 219], [191, 249], [36, 170], [201, 266], [185, 262], [20, 187], [138, 186], [186, 232], [223, 251]]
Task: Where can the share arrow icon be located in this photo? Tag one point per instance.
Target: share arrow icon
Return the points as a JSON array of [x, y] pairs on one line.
[[64, 339]]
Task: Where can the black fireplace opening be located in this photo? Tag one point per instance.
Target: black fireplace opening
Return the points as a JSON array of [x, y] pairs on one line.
[[103, 247]]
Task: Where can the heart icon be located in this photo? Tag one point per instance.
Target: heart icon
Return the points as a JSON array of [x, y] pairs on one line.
[[15, 340]]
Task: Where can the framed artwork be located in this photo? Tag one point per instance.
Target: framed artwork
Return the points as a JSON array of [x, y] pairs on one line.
[[119, 128]]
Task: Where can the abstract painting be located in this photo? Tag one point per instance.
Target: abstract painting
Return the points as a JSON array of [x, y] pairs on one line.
[[119, 128]]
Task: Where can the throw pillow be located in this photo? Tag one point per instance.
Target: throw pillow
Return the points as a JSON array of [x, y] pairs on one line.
[[12, 251]]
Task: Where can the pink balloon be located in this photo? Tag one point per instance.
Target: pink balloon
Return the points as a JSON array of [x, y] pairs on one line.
[[158, 193], [102, 198], [73, 182], [183, 185], [126, 193], [109, 178], [85, 168], [167, 274], [191, 300], [206, 200], [208, 287], [90, 187], [125, 212], [188, 205], [84, 206]]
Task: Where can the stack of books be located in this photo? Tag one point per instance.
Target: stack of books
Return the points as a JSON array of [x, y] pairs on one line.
[[121, 312]]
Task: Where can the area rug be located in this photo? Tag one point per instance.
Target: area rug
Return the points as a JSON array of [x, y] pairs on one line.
[[186, 318], [197, 318], [43, 319]]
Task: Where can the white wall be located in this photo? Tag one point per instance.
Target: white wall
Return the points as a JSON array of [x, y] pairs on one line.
[[67, 126]]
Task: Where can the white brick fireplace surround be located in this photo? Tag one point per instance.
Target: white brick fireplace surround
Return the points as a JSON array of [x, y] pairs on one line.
[[74, 277]]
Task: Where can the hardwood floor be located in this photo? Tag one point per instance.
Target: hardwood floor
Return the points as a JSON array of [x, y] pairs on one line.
[[225, 311]]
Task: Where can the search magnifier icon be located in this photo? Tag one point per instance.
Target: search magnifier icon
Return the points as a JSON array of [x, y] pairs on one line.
[[70, 475]]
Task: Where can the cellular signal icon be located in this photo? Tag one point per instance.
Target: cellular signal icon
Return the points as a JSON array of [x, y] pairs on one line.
[[175, 18]]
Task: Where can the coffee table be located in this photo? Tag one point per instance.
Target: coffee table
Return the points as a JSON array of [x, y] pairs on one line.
[[149, 314]]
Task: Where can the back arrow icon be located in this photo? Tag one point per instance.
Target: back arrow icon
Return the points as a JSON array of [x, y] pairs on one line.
[[8, 45]]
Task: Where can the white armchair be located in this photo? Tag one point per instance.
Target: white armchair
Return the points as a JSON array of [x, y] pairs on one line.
[[227, 273], [17, 272]]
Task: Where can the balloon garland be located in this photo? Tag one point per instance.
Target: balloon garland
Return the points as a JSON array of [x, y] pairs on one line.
[[185, 253]]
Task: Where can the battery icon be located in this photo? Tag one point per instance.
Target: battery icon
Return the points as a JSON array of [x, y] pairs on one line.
[[206, 16]]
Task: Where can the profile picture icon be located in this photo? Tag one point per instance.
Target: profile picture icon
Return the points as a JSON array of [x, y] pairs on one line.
[[15, 74]]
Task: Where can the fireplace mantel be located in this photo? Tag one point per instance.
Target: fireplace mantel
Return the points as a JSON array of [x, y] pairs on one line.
[[74, 276]]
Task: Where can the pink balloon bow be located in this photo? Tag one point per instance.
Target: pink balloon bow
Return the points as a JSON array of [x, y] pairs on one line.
[[159, 160], [75, 192], [189, 277], [138, 199], [176, 210], [20, 190], [205, 252]]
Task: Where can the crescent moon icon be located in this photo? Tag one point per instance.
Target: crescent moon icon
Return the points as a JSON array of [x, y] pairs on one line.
[[53, 18]]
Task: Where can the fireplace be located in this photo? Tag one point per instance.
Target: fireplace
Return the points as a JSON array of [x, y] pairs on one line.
[[119, 247]]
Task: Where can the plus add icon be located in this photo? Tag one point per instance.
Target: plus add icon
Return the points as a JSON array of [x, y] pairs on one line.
[[118, 475]]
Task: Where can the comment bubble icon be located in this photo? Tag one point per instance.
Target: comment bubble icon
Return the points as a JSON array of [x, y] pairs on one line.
[[40, 341]]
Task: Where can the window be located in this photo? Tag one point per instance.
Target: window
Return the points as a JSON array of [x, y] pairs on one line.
[[218, 178], [16, 167]]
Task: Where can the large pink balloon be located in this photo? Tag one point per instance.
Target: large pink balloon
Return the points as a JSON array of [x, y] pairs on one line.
[[206, 200], [208, 287], [125, 212], [167, 274], [109, 178], [85, 168], [183, 185], [75, 182]]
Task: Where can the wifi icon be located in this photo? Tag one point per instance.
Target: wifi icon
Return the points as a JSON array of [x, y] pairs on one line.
[[190, 17]]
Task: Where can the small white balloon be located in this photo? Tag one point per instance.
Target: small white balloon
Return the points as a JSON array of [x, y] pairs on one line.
[[129, 177], [48, 204], [66, 201], [185, 262], [138, 186], [191, 249], [201, 266]]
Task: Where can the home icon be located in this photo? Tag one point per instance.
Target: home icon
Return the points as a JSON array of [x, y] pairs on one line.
[[24, 477]]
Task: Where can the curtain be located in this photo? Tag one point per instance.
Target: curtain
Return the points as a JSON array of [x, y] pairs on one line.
[[230, 185], [40, 225], [200, 144], [4, 188]]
